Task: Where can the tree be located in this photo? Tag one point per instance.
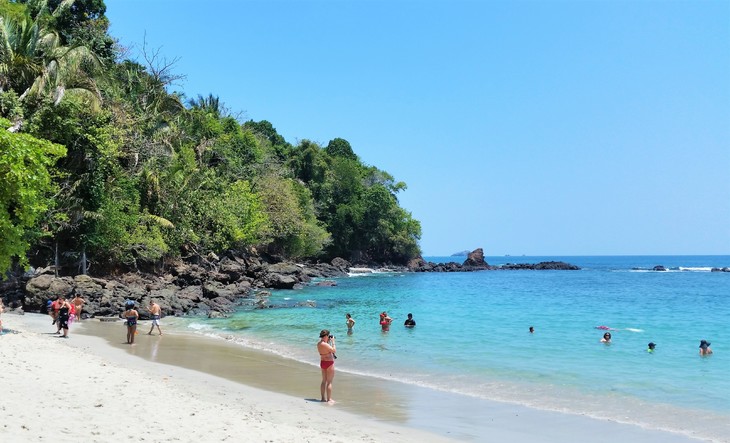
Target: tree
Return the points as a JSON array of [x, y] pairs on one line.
[[340, 147], [34, 63], [24, 193]]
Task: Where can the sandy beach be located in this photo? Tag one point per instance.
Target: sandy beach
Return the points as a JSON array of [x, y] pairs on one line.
[[179, 387]]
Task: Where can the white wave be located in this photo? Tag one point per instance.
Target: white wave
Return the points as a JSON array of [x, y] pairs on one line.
[[634, 330], [696, 269], [198, 326]]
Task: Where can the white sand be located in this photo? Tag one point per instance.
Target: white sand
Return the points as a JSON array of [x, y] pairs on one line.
[[85, 390], [66, 390]]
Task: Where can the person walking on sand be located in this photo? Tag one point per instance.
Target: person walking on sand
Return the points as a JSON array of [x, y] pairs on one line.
[[64, 313], [53, 312], [131, 315], [326, 348], [78, 302], [350, 323], [155, 312]]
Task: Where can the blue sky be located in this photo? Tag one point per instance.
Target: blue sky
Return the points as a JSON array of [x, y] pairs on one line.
[[522, 127]]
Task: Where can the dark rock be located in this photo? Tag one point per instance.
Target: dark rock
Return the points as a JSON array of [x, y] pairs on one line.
[[659, 268], [341, 263], [326, 283], [475, 259]]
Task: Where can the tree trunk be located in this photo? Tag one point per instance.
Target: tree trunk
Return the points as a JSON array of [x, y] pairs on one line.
[[83, 259]]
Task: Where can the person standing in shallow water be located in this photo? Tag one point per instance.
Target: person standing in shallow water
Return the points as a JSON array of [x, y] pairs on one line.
[[326, 348], [385, 321], [350, 323], [131, 315], [409, 323], [155, 312]]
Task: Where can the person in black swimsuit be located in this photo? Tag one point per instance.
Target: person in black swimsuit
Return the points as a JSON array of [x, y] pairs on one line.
[[131, 315], [64, 311]]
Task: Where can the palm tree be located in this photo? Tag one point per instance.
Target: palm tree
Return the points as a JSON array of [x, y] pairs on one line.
[[34, 63]]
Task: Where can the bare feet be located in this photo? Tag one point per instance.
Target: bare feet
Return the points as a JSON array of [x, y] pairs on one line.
[[331, 402]]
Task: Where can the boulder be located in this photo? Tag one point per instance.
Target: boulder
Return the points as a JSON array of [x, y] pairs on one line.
[[475, 259], [659, 268]]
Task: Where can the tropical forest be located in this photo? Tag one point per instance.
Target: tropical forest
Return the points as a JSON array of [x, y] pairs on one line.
[[105, 167]]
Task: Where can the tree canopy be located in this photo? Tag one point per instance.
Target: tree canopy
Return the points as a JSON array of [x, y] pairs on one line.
[[104, 169]]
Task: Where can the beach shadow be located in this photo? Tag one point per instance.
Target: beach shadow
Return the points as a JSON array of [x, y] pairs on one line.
[[314, 400]]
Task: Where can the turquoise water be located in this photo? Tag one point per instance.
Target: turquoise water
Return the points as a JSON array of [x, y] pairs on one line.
[[472, 335]]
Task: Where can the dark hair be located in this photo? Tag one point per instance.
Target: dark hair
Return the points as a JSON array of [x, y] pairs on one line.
[[324, 333]]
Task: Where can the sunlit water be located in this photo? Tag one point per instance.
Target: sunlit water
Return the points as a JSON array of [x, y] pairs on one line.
[[472, 335]]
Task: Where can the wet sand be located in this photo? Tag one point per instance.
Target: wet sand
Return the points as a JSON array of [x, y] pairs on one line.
[[448, 415]]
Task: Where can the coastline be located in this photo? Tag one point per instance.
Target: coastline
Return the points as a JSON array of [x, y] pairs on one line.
[[248, 391]]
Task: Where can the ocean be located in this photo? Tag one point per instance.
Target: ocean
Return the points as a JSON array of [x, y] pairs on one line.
[[472, 335]]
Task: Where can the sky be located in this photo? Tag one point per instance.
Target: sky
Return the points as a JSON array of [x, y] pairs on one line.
[[522, 127]]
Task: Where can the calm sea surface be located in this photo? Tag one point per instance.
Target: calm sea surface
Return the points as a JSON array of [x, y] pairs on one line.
[[472, 335]]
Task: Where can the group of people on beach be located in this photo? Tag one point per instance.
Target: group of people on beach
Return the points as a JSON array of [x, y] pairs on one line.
[[131, 316], [704, 344], [64, 310], [326, 347]]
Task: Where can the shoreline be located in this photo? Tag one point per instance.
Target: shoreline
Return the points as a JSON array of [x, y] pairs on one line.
[[371, 408]]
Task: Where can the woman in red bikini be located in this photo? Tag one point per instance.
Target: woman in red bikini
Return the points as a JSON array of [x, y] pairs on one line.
[[326, 349]]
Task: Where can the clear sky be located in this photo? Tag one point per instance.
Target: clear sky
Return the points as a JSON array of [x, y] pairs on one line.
[[522, 127]]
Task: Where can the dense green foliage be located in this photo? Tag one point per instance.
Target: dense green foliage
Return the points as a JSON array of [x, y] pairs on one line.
[[147, 176]]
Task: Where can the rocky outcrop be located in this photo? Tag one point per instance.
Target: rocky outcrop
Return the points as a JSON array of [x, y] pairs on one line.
[[212, 287], [659, 268], [542, 266], [726, 269], [475, 262]]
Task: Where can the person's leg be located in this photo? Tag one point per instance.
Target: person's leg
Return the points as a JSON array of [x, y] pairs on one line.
[[330, 379], [323, 386], [133, 330], [129, 334]]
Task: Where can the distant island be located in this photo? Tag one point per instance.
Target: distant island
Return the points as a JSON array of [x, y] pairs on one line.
[[460, 254]]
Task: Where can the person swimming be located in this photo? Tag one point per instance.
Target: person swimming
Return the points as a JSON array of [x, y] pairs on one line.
[[705, 347], [606, 338], [651, 347]]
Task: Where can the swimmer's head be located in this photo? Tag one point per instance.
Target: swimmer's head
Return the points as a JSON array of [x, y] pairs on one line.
[[607, 335], [704, 344], [652, 345]]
